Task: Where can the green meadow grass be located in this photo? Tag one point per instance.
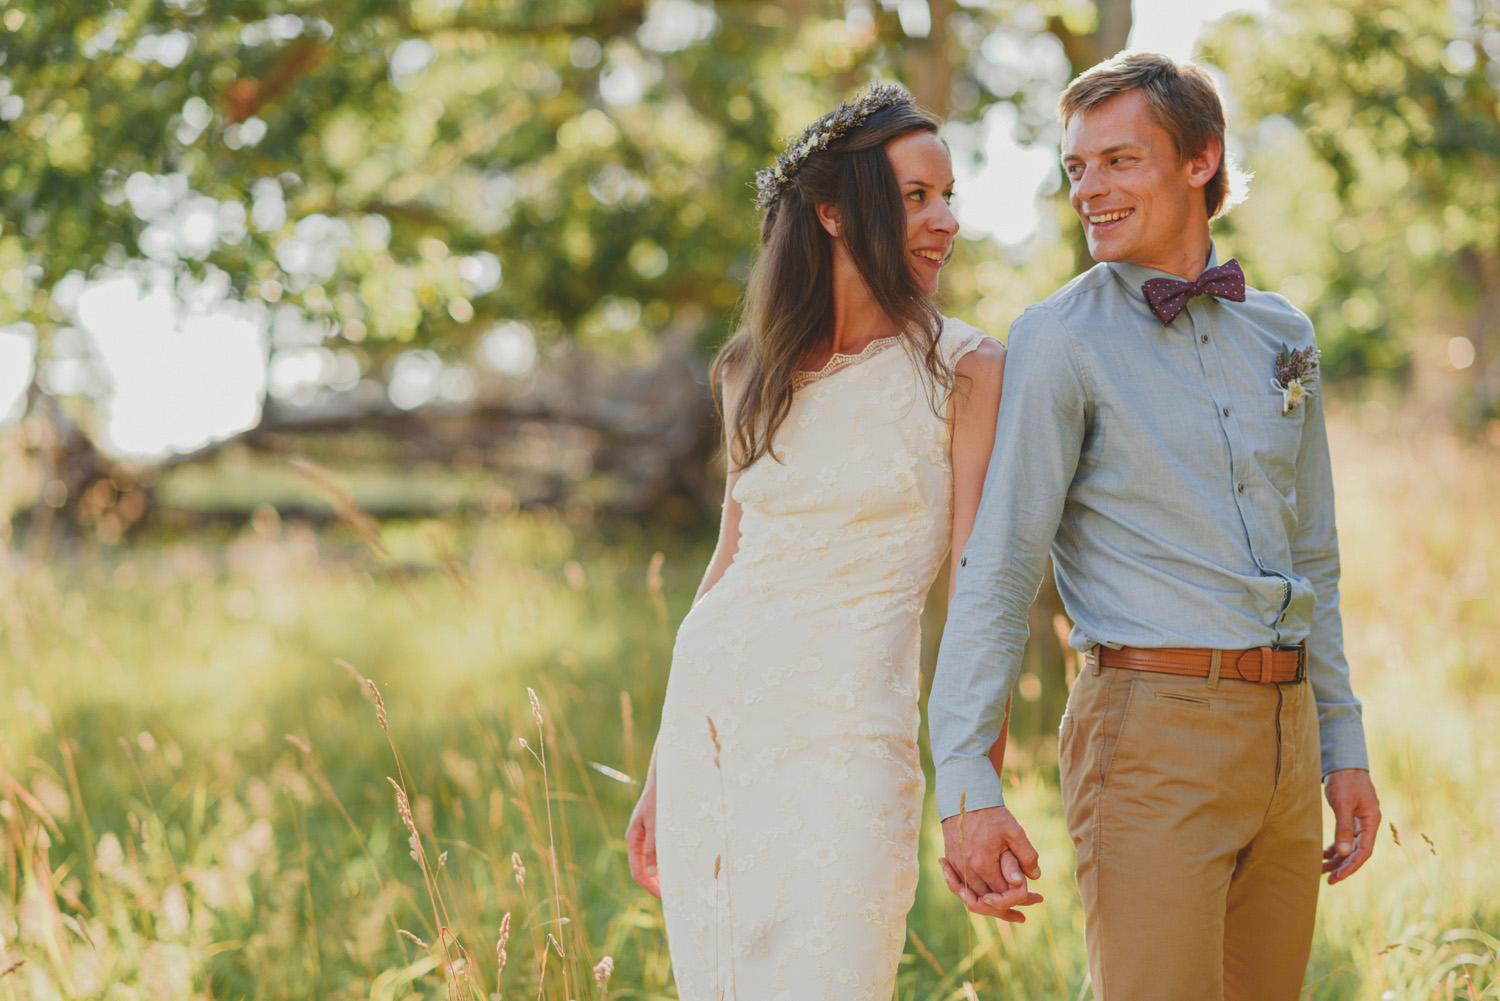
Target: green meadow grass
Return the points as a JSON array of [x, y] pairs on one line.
[[198, 801]]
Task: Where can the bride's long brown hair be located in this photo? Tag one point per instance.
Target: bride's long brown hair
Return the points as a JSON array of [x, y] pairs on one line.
[[787, 309]]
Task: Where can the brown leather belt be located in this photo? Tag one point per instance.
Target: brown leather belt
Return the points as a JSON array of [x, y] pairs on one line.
[[1263, 665]]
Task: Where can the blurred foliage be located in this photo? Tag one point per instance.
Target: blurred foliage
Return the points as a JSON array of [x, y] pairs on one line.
[[408, 174], [1393, 108]]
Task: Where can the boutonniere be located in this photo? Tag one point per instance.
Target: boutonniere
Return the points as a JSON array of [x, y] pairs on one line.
[[1292, 375]]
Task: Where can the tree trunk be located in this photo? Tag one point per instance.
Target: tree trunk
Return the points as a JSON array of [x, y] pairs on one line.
[[927, 63], [81, 488], [1084, 50]]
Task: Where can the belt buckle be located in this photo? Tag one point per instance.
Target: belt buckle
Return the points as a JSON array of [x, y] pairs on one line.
[[1301, 663]]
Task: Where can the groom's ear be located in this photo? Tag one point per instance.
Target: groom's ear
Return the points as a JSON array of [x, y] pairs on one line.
[[830, 218], [1205, 164]]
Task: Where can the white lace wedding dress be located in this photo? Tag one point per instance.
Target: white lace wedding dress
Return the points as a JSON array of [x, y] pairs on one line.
[[788, 782]]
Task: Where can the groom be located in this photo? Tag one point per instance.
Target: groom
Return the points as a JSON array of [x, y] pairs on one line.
[[1160, 432]]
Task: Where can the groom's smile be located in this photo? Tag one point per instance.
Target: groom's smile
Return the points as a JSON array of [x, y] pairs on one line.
[[1103, 218]]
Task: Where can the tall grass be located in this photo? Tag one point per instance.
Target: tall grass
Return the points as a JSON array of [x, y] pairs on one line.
[[197, 800]]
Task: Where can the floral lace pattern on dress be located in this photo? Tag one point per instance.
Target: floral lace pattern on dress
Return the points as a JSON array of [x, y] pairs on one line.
[[788, 780]]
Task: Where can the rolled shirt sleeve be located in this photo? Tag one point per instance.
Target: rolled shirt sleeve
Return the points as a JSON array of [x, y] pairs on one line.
[[1039, 432], [1315, 557]]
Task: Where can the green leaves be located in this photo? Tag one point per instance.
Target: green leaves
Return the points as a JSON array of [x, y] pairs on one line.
[[1396, 102]]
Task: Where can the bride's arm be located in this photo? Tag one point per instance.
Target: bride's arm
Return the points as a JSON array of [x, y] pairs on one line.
[[640, 835], [973, 409]]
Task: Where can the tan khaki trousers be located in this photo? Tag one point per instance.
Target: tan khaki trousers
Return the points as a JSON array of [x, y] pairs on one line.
[[1194, 810]]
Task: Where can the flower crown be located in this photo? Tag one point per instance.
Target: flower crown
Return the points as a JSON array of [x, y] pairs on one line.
[[773, 180]]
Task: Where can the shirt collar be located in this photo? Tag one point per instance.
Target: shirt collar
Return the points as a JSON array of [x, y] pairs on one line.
[[1133, 276]]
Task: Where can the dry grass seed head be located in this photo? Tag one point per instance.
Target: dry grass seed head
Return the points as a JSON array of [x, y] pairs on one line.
[[373, 694], [536, 707], [500, 954], [403, 807]]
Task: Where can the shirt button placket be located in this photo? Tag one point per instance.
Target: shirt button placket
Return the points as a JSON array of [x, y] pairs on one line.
[[1203, 339]]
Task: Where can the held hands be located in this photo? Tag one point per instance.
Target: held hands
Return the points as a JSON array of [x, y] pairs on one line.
[[988, 871], [640, 837], [1356, 815]]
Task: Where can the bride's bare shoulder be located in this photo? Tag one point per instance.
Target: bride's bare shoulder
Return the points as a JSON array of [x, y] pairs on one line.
[[981, 368]]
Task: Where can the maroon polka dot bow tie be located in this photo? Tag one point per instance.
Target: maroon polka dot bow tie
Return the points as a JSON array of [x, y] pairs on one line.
[[1168, 296]]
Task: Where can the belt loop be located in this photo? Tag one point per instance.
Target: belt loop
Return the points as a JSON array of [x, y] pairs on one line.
[[1265, 665], [1094, 658], [1215, 661]]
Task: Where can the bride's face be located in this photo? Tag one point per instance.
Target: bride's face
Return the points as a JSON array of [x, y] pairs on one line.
[[924, 172]]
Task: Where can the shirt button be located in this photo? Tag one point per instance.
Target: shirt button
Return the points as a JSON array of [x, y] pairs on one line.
[[1226, 411], [963, 561], [1242, 488], [1205, 338]]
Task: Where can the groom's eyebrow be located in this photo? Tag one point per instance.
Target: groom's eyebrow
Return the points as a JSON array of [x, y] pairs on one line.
[[1116, 148]]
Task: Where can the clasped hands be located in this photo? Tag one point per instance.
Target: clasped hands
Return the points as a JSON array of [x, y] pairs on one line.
[[986, 862]]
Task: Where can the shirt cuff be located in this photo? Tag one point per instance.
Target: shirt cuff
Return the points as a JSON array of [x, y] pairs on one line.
[[971, 779], [1343, 745]]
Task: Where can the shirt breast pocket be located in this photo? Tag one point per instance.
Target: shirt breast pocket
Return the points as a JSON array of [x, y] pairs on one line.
[[1275, 439]]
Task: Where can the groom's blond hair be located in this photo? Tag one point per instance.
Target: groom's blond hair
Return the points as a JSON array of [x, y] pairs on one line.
[[1183, 101]]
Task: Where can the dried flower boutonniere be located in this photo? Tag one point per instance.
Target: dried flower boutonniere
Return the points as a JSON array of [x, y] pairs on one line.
[[1293, 374]]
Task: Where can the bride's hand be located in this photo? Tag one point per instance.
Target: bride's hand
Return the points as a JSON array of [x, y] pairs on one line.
[[988, 869], [640, 837], [1004, 905]]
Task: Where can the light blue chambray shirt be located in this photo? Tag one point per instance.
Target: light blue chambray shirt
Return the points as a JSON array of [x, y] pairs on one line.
[[1181, 507]]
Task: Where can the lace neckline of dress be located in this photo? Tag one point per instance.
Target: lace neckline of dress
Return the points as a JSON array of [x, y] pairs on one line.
[[838, 362]]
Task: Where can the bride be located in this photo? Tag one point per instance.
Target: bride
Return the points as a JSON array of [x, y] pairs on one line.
[[779, 819]]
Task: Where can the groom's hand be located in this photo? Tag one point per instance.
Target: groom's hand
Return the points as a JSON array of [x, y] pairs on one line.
[[1356, 819], [987, 860]]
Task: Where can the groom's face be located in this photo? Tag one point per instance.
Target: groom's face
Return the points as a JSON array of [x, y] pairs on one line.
[[1133, 194]]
